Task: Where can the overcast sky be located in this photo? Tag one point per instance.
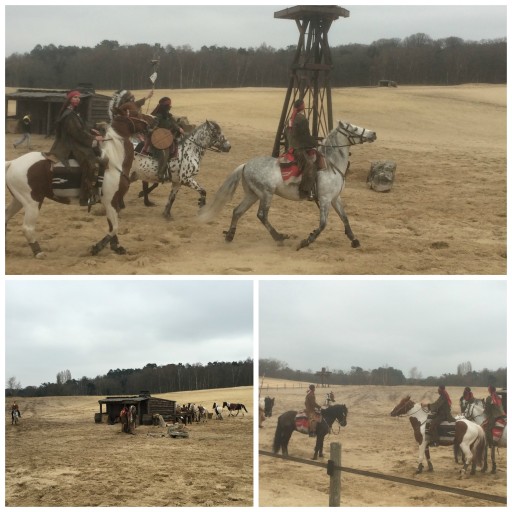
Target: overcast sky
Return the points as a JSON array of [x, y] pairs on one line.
[[432, 325], [89, 327], [238, 26]]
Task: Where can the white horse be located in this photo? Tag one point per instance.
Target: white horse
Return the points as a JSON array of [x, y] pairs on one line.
[[261, 178], [475, 412], [182, 169], [31, 178], [461, 433]]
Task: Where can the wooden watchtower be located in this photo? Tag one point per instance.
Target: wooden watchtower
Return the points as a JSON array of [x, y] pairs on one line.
[[310, 69], [324, 377]]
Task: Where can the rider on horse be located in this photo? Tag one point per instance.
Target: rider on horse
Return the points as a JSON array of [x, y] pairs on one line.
[[74, 140], [442, 411], [494, 410], [311, 408], [304, 149], [466, 398], [164, 119], [15, 410]]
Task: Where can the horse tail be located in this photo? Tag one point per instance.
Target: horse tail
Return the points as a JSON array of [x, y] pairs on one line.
[[479, 452], [277, 438], [222, 196]]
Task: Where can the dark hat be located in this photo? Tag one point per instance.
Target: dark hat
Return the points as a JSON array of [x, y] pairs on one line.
[[165, 101], [298, 103], [441, 387], [467, 388], [491, 388], [311, 386]]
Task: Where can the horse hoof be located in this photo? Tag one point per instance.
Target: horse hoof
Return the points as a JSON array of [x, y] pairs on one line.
[[119, 250], [355, 244], [149, 203], [40, 255], [95, 250]]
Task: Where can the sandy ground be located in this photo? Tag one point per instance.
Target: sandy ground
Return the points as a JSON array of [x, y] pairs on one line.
[[446, 213], [58, 456], [372, 441]]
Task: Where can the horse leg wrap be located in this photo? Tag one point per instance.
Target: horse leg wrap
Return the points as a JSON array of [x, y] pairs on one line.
[[36, 249], [114, 245], [100, 245]]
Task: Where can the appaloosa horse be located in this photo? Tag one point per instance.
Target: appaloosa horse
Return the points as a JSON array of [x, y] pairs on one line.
[[288, 423], [32, 177], [182, 169]]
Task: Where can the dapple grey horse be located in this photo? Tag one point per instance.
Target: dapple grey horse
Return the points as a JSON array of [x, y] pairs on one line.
[[261, 178]]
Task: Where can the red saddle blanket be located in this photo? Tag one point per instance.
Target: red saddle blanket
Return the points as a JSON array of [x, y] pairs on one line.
[[498, 428], [289, 167], [302, 423]]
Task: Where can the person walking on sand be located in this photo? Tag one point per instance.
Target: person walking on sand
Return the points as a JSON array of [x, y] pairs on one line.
[[26, 129]]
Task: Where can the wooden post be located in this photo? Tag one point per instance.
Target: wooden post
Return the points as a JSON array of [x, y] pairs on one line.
[[335, 481]]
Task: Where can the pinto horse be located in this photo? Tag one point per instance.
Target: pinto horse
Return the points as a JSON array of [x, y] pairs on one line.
[[234, 407], [32, 177], [261, 178], [286, 426], [461, 433]]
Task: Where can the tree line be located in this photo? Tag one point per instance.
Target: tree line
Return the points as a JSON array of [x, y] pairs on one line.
[[153, 378], [387, 376], [414, 60]]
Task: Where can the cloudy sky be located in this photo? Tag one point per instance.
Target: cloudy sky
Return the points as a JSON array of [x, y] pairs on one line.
[[91, 326], [238, 26], [433, 325]]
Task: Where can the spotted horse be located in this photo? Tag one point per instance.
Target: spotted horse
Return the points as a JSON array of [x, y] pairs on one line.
[[182, 169]]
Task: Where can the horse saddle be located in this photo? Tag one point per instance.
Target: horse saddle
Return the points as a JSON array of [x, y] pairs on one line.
[[445, 430]]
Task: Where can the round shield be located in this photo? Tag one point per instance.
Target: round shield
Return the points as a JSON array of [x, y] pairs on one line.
[[161, 138]]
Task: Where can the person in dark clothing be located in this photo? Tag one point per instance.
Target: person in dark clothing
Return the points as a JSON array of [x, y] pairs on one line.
[[164, 119], [494, 410], [441, 410], [74, 140], [26, 128], [304, 149], [311, 408], [466, 398]]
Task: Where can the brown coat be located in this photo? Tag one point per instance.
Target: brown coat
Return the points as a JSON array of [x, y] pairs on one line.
[[300, 136], [73, 139], [310, 403]]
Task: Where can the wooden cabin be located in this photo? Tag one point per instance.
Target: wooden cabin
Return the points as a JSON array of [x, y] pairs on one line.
[[146, 404], [44, 106]]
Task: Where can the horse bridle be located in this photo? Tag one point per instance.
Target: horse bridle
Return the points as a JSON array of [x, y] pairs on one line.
[[218, 139], [471, 412]]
